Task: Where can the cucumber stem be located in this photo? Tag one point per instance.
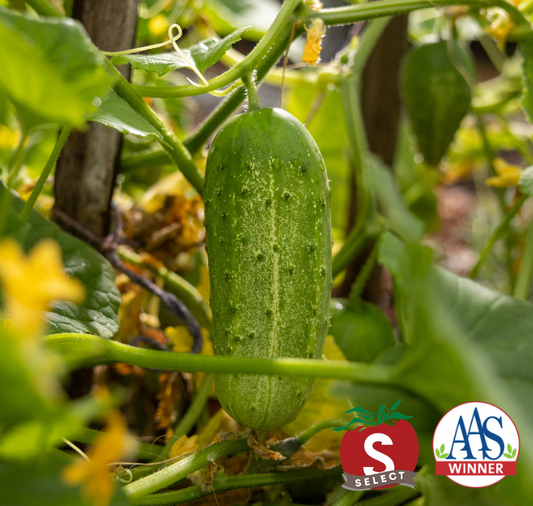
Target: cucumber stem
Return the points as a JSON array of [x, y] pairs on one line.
[[253, 99]]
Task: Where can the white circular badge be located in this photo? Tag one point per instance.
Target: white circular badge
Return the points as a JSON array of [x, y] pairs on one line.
[[476, 445]]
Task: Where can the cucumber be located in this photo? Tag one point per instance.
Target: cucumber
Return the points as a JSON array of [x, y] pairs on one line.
[[436, 95], [361, 331], [268, 225]]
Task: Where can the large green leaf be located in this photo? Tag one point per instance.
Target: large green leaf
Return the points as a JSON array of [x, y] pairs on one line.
[[99, 313], [116, 113], [464, 343], [50, 69], [200, 56]]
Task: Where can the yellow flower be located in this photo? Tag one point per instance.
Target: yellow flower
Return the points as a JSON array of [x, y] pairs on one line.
[[158, 25], [499, 30], [508, 175], [31, 282], [313, 44], [94, 473]]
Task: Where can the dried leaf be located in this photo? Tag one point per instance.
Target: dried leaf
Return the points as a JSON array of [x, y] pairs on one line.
[[168, 395], [184, 446], [260, 449]]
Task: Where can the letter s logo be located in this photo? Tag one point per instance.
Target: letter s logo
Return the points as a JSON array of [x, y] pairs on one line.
[[380, 457]]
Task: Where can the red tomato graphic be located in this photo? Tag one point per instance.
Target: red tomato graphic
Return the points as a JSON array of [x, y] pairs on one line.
[[369, 450]]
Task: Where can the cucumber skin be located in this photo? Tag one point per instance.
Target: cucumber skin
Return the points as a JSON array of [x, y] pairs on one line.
[[268, 225], [436, 95]]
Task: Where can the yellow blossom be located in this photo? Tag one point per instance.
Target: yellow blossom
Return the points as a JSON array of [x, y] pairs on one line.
[[158, 25], [508, 175], [94, 474], [32, 281], [313, 44], [500, 29]]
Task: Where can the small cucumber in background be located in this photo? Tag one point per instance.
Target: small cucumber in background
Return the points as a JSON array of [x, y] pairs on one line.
[[360, 330], [267, 217], [436, 94]]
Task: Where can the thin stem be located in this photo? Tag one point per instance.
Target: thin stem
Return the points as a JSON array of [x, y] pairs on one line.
[[361, 12], [223, 483], [181, 469], [284, 68], [17, 159], [24, 215], [180, 287], [171, 144], [318, 427], [249, 64], [360, 236], [190, 418], [498, 232], [370, 38], [5, 205], [105, 351], [523, 281], [253, 99], [362, 278]]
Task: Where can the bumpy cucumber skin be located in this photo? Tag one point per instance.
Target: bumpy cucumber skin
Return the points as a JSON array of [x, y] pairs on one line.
[[436, 95], [268, 224]]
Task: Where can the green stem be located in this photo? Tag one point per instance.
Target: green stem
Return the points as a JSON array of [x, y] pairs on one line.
[[361, 12], [246, 66], [498, 232], [223, 483], [17, 160], [362, 278], [349, 497], [307, 434], [187, 422], [106, 351], [370, 38], [6, 198], [398, 495], [253, 99], [360, 236], [183, 290], [181, 469], [24, 215], [523, 281], [171, 144]]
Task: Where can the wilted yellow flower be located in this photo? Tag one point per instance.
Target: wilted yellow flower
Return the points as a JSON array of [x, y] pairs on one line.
[[508, 175], [32, 281], [313, 44], [316, 5], [499, 30], [158, 25], [95, 474]]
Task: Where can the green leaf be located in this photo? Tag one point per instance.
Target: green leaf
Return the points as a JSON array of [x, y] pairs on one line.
[[50, 69], [116, 113], [526, 181], [442, 448], [464, 342], [437, 452], [514, 453], [509, 448], [507, 456], [228, 15], [99, 313], [444, 455], [200, 56]]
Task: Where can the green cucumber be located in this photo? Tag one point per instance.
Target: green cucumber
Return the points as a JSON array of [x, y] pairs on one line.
[[267, 218], [436, 95]]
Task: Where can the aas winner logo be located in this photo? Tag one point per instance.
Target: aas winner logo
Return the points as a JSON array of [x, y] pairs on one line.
[[476, 445], [379, 455]]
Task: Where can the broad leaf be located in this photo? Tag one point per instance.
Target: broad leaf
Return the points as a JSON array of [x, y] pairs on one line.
[[200, 56], [117, 113], [50, 69], [464, 343], [99, 313]]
